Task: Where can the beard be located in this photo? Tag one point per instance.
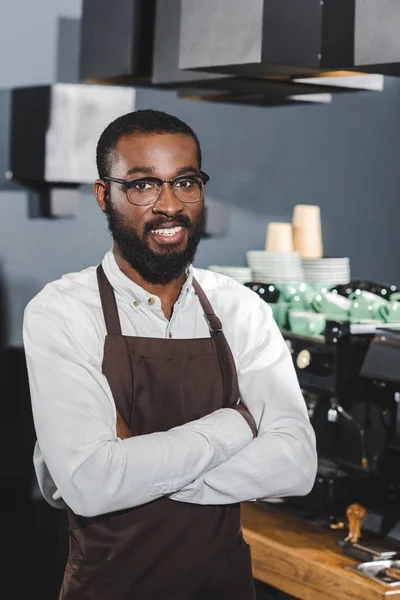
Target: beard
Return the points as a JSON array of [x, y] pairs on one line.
[[155, 267]]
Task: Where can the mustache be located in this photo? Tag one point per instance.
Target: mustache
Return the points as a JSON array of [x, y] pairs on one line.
[[174, 221]]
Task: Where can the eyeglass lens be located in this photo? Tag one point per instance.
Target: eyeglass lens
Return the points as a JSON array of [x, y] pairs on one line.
[[187, 190]]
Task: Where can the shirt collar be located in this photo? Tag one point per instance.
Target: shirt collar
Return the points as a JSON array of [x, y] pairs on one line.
[[131, 291]]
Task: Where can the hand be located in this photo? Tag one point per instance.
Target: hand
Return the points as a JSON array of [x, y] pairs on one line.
[[122, 430], [247, 416]]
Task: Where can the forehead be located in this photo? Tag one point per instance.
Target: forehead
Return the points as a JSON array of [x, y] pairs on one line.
[[159, 152]]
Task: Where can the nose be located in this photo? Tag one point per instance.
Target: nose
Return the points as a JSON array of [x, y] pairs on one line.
[[167, 203]]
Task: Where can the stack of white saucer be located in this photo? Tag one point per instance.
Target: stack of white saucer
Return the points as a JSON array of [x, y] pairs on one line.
[[328, 270], [275, 267], [240, 274]]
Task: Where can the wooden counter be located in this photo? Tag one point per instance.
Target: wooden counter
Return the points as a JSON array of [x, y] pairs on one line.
[[303, 560]]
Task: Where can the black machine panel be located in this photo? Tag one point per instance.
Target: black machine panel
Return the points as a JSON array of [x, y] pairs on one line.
[[351, 385]]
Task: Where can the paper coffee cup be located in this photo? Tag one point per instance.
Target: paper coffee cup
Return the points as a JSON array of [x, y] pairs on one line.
[[307, 236], [279, 237]]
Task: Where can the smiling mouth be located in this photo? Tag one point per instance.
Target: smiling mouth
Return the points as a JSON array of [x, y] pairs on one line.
[[164, 236], [167, 231]]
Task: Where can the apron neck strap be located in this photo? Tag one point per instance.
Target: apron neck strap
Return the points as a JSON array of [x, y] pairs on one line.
[[108, 303], [213, 321]]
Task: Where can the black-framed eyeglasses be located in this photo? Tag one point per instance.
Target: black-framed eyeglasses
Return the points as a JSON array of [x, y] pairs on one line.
[[144, 191]]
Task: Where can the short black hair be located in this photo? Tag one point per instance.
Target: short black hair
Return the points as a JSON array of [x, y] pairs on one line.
[[141, 122]]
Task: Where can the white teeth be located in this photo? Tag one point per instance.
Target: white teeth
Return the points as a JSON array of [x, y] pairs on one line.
[[167, 231]]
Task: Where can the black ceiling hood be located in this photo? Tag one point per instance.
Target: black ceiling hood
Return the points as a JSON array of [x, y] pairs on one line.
[[117, 38], [212, 87], [254, 99], [264, 87], [55, 129], [290, 37], [166, 69], [166, 49], [53, 135]]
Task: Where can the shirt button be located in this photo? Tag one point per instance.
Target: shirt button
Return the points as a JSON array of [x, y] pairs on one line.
[[136, 303], [152, 300], [170, 335]]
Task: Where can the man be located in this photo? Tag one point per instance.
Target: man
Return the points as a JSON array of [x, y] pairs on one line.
[[156, 416]]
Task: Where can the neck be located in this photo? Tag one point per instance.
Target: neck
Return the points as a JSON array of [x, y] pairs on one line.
[[167, 292]]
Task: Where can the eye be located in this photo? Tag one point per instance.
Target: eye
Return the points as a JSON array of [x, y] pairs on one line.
[[142, 186], [185, 183]]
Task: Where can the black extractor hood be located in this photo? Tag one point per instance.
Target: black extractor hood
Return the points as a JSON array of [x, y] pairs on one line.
[[272, 98], [166, 69], [290, 38], [117, 39], [55, 129], [137, 42], [231, 88], [53, 137]]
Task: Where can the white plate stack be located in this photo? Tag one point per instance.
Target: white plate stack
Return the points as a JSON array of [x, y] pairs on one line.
[[327, 270], [240, 274], [275, 267]]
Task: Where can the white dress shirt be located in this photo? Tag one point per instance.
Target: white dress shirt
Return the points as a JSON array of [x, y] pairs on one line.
[[79, 460]]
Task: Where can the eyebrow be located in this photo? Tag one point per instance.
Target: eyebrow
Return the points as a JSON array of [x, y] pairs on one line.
[[150, 170]]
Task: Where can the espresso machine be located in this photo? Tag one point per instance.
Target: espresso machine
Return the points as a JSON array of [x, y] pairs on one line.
[[350, 378]]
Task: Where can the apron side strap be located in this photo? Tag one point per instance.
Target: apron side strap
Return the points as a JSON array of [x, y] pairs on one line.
[[108, 303], [213, 321]]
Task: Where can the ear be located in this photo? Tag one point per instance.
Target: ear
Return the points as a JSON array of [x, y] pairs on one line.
[[100, 193]]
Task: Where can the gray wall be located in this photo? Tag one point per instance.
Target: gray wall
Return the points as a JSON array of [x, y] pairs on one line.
[[262, 162]]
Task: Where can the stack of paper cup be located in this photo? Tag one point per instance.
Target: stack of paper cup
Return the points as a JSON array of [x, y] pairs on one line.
[[279, 237], [307, 237]]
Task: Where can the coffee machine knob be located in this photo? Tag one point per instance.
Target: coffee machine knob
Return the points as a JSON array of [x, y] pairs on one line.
[[333, 415], [303, 359]]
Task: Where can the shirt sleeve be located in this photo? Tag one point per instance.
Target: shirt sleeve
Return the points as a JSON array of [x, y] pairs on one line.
[[282, 460], [78, 459]]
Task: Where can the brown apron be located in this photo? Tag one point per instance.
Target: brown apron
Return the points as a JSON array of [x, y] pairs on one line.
[[164, 549]]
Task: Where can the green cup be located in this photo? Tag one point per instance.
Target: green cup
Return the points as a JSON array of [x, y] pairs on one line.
[[280, 313], [334, 306], [306, 323], [365, 296], [300, 302], [320, 287], [302, 299], [395, 297], [367, 306], [287, 290], [390, 313]]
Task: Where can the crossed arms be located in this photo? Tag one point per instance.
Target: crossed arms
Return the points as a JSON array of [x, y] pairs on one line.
[[85, 460]]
